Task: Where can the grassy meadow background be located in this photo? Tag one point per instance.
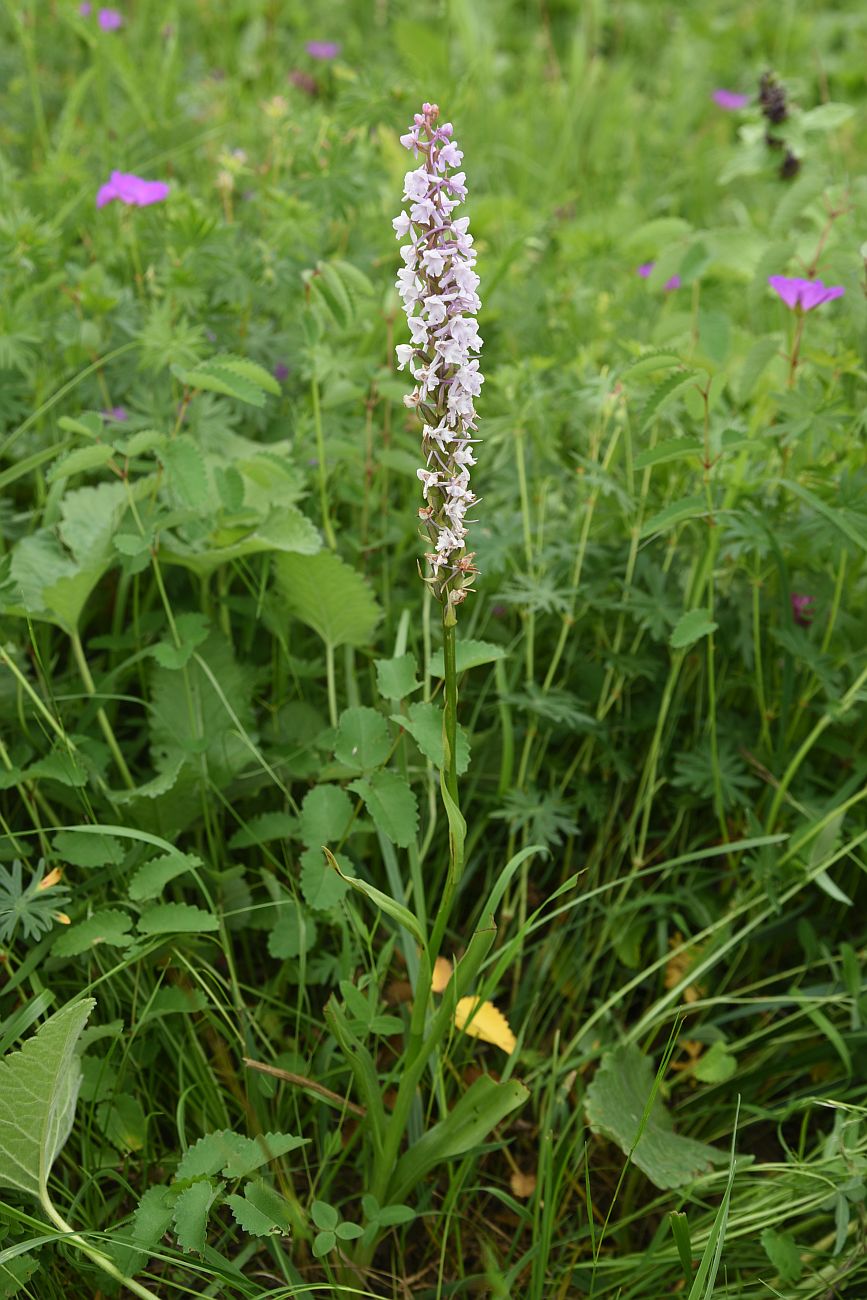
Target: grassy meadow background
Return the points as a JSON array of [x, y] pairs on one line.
[[209, 598]]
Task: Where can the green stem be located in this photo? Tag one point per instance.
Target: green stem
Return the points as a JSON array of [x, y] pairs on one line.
[[332, 683], [102, 1261], [320, 454], [90, 687]]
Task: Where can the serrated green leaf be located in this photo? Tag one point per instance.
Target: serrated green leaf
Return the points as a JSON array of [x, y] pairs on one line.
[[185, 471], [424, 722], [176, 918], [250, 1154], [38, 1090], [362, 741], [293, 932], [248, 369], [468, 654], [213, 378], [208, 1155], [677, 513], [328, 596], [321, 886], [264, 828], [691, 627], [665, 452], [666, 393], [79, 461], [391, 803], [151, 879], [106, 926], [192, 630], [615, 1103], [190, 1215], [325, 815], [82, 849], [261, 1210], [396, 678], [649, 362]]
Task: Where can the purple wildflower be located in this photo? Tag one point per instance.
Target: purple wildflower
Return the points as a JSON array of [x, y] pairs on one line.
[[730, 100], [438, 287], [117, 413], [324, 49], [280, 371], [802, 609], [85, 8], [803, 295], [645, 269], [303, 81], [132, 190], [110, 20], [673, 283]]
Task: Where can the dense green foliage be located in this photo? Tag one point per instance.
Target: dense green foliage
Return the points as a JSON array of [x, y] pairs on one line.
[[216, 655]]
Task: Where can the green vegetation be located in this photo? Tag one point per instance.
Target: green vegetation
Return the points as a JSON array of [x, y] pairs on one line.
[[229, 810]]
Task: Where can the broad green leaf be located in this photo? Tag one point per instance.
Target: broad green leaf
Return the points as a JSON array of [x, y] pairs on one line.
[[716, 1065], [362, 740], [190, 1215], [38, 1090], [286, 529], [328, 596], [176, 918], [151, 879], [424, 722], [123, 1122], [82, 849], [248, 369], [325, 815], [691, 627], [106, 926], [209, 1154], [192, 629], [321, 885], [396, 678], [484, 1105], [797, 196], [784, 1253], [220, 376], [324, 1215], [677, 513], [615, 1103], [827, 117], [391, 803], [468, 654]]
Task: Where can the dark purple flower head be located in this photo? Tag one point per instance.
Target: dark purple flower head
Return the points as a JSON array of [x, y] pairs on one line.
[[280, 371], [803, 295], [324, 49], [110, 20], [132, 190], [117, 413], [645, 269], [802, 609], [730, 100]]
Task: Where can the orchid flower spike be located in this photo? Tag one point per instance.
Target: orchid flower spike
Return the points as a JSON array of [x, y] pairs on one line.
[[437, 285]]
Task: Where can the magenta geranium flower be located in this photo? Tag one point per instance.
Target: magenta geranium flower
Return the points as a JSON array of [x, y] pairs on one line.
[[673, 283], [802, 609], [109, 20], [645, 269], [803, 295], [132, 190], [730, 100], [323, 49]]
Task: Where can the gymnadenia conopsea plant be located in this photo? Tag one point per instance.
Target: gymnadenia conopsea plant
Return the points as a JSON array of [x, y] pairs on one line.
[[438, 285]]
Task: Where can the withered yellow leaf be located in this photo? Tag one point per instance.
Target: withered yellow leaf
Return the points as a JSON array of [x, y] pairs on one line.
[[522, 1184], [442, 973], [487, 1023]]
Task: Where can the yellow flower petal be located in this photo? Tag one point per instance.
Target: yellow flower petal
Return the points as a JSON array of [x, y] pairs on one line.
[[442, 973], [54, 877], [487, 1023]]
